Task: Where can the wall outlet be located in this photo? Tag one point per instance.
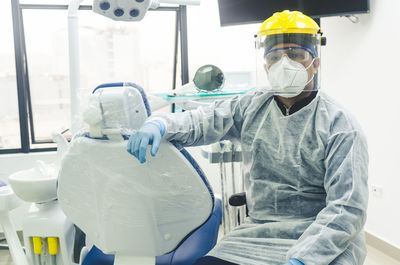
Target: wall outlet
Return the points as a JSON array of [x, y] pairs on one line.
[[377, 191]]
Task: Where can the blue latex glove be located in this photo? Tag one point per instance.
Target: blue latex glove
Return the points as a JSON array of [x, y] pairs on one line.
[[149, 134], [294, 262]]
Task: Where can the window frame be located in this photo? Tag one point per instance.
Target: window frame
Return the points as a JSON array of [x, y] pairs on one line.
[[26, 123]]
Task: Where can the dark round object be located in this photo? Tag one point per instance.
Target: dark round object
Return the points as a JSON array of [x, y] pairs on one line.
[[209, 78], [104, 6], [119, 12], [134, 13]]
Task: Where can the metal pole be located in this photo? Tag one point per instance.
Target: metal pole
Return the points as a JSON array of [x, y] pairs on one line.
[[225, 200], [184, 45], [242, 210], [176, 44], [74, 64], [56, 7], [20, 72], [26, 81]]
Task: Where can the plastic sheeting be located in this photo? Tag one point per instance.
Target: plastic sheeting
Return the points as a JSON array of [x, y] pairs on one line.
[[129, 208]]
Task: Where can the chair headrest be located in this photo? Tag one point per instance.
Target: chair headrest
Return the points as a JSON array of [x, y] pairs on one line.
[[116, 108]]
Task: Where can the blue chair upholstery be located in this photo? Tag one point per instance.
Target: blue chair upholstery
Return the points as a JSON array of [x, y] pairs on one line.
[[197, 244], [194, 247]]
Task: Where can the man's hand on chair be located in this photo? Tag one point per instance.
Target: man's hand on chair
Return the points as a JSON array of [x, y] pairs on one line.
[[150, 133], [294, 262]]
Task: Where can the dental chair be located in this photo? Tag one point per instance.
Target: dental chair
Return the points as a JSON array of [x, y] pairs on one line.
[[162, 212]]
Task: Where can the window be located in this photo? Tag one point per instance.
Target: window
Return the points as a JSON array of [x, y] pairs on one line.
[[9, 118], [109, 52], [47, 57], [140, 52]]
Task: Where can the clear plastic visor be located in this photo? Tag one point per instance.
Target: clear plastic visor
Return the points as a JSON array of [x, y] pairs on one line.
[[288, 64]]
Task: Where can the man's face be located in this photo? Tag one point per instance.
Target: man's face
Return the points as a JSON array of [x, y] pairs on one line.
[[299, 55]]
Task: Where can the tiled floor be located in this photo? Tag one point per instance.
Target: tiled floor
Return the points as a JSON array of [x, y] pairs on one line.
[[5, 258], [374, 257]]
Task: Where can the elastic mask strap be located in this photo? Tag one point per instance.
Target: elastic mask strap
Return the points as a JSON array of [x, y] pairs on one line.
[[309, 64], [312, 77]]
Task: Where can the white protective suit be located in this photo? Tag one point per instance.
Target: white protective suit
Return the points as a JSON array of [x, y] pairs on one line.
[[305, 178]]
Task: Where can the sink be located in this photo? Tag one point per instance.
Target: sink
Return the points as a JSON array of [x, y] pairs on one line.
[[38, 184]]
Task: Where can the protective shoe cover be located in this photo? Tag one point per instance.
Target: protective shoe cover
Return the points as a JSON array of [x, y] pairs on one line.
[[305, 178]]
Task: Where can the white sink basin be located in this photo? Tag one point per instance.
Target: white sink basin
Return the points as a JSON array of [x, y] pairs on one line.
[[37, 184]]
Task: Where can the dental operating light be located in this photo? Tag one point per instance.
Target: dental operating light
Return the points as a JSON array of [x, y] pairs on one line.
[[132, 10]]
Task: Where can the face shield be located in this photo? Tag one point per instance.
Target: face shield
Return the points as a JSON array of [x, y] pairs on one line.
[[288, 63]]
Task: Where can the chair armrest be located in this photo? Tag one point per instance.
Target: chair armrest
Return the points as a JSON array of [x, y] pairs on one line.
[[238, 199]]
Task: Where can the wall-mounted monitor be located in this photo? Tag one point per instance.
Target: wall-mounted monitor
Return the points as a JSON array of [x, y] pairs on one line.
[[237, 12]]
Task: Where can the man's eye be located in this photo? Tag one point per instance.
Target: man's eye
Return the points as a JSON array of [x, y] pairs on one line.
[[296, 56]]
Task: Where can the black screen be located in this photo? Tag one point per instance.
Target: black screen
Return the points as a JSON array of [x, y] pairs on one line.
[[236, 12]]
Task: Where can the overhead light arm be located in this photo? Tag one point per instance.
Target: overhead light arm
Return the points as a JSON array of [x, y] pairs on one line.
[[132, 10]]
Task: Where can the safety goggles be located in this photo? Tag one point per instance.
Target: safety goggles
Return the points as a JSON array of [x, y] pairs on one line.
[[298, 54]]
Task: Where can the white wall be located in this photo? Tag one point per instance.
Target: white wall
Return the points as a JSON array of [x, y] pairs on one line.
[[360, 69], [230, 48]]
